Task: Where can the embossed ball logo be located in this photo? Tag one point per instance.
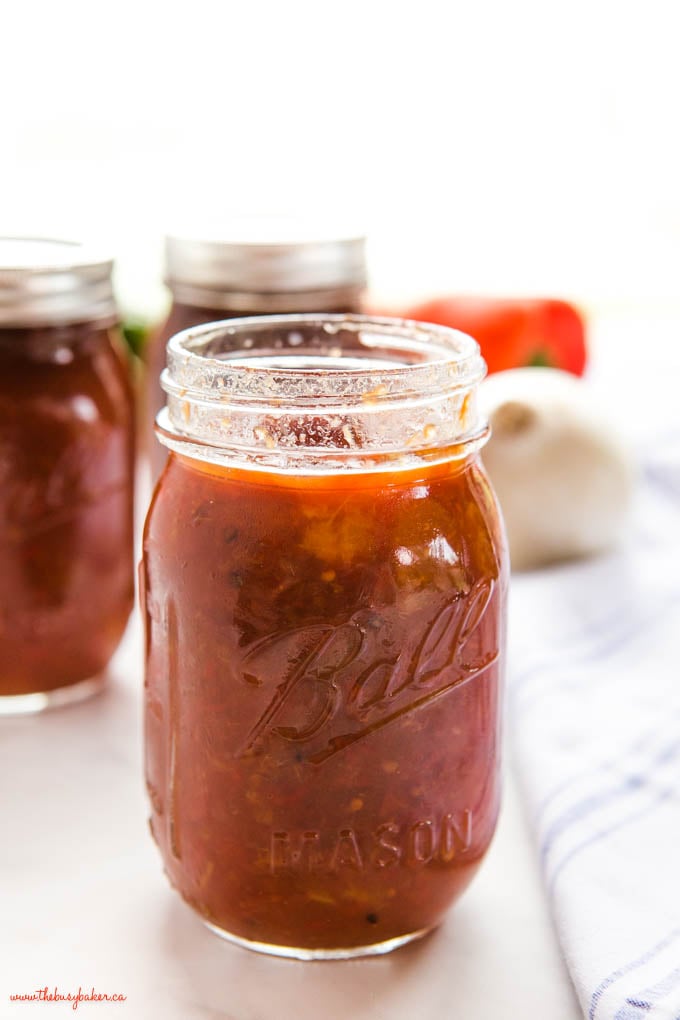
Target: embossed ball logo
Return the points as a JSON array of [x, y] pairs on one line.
[[336, 684]]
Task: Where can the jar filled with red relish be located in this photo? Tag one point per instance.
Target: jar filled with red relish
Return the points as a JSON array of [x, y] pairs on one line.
[[252, 267], [66, 470], [324, 587]]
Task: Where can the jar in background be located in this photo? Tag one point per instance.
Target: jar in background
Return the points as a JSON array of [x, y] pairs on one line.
[[324, 586], [66, 474], [253, 268]]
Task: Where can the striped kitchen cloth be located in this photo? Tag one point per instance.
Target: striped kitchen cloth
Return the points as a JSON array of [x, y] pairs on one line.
[[594, 701]]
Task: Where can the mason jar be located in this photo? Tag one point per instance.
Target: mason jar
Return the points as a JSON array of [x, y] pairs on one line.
[[324, 585], [66, 474], [252, 267]]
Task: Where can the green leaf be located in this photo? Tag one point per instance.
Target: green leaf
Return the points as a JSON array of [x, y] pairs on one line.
[[540, 359], [135, 333]]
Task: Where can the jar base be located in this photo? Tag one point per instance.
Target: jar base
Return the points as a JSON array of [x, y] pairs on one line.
[[341, 953], [32, 704]]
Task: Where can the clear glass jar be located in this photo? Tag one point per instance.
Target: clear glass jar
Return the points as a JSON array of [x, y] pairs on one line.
[[261, 267], [324, 584], [66, 470]]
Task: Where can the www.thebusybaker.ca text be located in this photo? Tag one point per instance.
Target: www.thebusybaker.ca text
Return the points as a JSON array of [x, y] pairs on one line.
[[54, 995]]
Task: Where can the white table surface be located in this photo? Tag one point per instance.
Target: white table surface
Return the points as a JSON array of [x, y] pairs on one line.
[[83, 900]]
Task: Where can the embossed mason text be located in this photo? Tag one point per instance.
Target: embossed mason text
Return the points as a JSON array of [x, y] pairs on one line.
[[438, 840]]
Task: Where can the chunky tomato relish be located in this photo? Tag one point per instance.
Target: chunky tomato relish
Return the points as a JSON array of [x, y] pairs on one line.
[[324, 660], [66, 474]]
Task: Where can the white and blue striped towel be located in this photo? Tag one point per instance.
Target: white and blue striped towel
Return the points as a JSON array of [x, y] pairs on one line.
[[595, 719]]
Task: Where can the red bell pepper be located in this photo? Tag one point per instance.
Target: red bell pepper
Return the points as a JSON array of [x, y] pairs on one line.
[[513, 332]]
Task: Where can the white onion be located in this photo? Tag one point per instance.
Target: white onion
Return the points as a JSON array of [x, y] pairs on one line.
[[563, 475]]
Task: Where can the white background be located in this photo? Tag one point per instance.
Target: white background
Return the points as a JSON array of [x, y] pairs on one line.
[[527, 147]]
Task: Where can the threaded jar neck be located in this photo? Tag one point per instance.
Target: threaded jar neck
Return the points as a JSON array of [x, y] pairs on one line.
[[321, 393]]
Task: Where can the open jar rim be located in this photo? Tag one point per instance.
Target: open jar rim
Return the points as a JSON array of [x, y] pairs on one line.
[[308, 358], [320, 386]]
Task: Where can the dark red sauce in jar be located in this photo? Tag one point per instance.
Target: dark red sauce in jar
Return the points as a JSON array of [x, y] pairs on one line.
[[260, 267], [325, 607], [66, 472]]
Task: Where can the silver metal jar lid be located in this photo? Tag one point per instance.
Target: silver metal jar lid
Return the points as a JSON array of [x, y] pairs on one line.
[[46, 282], [269, 257]]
